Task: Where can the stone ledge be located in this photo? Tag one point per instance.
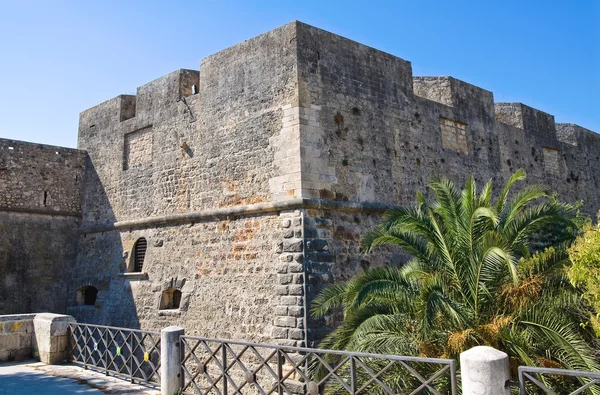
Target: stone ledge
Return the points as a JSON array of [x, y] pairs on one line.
[[55, 213], [135, 276], [222, 213], [169, 313]]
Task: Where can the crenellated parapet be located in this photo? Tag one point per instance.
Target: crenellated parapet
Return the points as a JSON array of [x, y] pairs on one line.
[[153, 101]]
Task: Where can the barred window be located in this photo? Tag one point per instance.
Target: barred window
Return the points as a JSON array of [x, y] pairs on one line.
[[139, 253]]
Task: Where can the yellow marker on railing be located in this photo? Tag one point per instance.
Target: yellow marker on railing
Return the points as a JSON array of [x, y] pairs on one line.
[[118, 350], [146, 357]]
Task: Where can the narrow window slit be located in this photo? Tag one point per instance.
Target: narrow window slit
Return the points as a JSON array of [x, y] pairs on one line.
[[139, 254]]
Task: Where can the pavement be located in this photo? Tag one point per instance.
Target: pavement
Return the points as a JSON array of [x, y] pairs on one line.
[[32, 377]]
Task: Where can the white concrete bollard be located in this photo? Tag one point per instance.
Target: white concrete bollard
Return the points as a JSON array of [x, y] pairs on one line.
[[171, 380], [484, 371]]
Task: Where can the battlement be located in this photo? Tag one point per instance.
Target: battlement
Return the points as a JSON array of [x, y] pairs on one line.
[[575, 135], [528, 119], [467, 101], [143, 106], [303, 98]]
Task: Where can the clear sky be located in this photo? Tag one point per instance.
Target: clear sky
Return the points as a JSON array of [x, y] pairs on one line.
[[59, 57]]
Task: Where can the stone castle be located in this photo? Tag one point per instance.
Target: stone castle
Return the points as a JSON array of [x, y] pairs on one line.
[[222, 200]]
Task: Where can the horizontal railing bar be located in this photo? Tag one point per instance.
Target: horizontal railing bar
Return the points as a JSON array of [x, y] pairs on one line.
[[560, 372], [325, 351], [114, 328], [121, 373]]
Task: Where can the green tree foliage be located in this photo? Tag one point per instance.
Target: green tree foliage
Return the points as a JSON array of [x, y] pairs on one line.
[[472, 281], [585, 269]]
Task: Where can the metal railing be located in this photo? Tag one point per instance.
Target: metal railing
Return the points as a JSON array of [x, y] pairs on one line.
[[538, 379], [216, 366], [128, 353]]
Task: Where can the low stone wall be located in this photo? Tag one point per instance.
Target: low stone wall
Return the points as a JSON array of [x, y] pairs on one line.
[[16, 337], [44, 336]]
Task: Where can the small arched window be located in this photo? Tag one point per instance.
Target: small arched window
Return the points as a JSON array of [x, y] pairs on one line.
[[139, 253], [171, 298], [87, 295]]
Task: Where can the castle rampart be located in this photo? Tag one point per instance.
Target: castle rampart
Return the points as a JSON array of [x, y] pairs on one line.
[[249, 182], [40, 209]]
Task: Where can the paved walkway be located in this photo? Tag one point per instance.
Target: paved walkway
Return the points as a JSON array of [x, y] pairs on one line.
[[31, 377]]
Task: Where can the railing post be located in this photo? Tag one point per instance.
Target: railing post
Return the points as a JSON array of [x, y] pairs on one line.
[[131, 354], [106, 351], [484, 371], [171, 380], [279, 372], [85, 353], [224, 356], [453, 386], [353, 374], [521, 381]]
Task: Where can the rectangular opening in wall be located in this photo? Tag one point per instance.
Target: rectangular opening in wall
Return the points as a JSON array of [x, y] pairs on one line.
[[552, 161], [137, 151], [454, 135]]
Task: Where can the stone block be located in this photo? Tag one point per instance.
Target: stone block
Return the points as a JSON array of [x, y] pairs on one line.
[[292, 245], [280, 310], [25, 340], [280, 333], [281, 290], [295, 311], [295, 290], [316, 245], [9, 341], [282, 268], [285, 342], [51, 338], [290, 301], [286, 322], [296, 334], [295, 267]]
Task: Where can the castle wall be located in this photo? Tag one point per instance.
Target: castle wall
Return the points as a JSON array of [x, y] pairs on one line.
[[167, 152], [40, 211], [374, 133], [225, 269], [254, 191]]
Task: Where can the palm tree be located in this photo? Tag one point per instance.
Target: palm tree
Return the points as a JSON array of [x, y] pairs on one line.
[[471, 281]]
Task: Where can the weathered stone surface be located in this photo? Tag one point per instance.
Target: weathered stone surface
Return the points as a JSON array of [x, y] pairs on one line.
[[51, 337], [40, 206], [252, 194]]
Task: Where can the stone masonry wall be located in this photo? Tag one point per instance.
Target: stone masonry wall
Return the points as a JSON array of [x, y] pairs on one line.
[[253, 192], [226, 270], [40, 206], [36, 177], [373, 133], [177, 153], [37, 253]]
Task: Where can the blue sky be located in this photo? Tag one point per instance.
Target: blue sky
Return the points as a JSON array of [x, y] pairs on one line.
[[60, 57]]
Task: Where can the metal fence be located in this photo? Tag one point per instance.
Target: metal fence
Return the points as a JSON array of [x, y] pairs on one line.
[[534, 380], [215, 366], [128, 353]]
